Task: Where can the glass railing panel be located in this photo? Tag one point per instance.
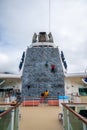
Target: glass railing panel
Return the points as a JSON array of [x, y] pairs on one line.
[[16, 118], [9, 117], [65, 120], [5, 122], [72, 119], [75, 123]]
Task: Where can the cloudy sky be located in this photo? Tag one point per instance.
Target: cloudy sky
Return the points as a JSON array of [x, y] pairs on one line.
[[19, 19]]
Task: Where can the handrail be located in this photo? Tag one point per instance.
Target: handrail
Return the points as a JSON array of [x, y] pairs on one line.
[[75, 113], [12, 107], [75, 103], [38, 97]]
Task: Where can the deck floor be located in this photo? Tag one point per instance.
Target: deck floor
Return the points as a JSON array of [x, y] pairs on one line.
[[42, 117]]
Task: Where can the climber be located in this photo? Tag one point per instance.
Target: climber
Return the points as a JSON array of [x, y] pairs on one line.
[[53, 68]]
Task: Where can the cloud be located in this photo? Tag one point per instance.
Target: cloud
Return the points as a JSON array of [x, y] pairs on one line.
[[4, 61], [19, 19]]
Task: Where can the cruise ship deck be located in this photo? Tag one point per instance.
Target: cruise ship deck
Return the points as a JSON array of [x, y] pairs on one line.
[[42, 117]]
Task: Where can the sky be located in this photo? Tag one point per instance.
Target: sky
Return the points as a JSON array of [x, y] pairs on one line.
[[19, 19]]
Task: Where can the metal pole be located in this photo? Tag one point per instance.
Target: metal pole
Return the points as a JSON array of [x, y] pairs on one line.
[[18, 118], [68, 120], [84, 127], [12, 119], [49, 13], [63, 118]]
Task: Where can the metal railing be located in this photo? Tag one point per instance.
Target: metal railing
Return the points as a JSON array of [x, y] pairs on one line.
[[72, 120], [26, 98], [9, 116], [33, 99]]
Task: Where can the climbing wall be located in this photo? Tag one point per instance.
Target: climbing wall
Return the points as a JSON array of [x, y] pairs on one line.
[[38, 74]]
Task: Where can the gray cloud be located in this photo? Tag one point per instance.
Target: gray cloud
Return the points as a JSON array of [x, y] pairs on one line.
[[19, 19]]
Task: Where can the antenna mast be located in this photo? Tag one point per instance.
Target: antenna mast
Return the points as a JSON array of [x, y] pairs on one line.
[[49, 13]]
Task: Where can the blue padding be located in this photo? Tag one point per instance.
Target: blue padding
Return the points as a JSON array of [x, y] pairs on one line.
[[65, 97], [62, 97]]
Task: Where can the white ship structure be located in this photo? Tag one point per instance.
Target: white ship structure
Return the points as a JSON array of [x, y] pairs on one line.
[[36, 74], [43, 67]]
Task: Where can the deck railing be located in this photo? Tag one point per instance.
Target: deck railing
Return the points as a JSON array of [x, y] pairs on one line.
[[35, 101], [9, 116], [37, 98], [72, 119]]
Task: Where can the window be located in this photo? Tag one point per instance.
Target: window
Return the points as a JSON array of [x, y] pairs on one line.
[[83, 91]]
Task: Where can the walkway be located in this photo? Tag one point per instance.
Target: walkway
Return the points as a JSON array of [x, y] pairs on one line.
[[40, 118]]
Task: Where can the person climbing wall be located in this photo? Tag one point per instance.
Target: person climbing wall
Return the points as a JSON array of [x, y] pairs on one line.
[[53, 67]]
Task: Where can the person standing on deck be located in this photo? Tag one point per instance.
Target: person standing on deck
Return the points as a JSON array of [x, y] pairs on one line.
[[42, 98], [46, 94], [7, 100]]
